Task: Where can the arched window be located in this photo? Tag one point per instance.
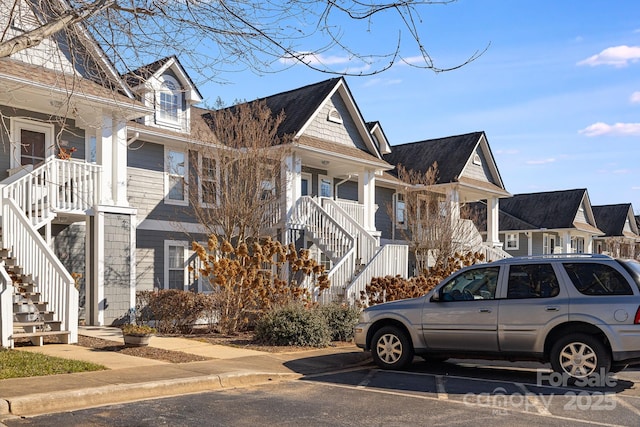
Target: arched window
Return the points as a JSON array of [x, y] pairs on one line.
[[169, 100]]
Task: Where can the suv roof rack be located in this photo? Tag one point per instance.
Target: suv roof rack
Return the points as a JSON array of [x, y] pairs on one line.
[[563, 255]]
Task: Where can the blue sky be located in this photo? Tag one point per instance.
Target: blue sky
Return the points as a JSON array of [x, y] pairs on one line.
[[557, 91]]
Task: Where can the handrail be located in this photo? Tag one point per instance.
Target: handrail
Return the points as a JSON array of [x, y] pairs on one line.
[[339, 276], [55, 284], [328, 234], [6, 307], [365, 243], [389, 260], [57, 185]]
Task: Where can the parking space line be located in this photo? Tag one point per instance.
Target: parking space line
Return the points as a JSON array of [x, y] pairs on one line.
[[627, 405], [442, 392], [366, 379]]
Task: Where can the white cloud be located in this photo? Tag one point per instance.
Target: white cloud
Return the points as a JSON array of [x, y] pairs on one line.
[[622, 171], [412, 60], [314, 59], [510, 151], [381, 82], [618, 129], [635, 188], [618, 56], [541, 162], [635, 98]]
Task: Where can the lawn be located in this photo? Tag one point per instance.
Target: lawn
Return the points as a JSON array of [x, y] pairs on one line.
[[18, 364]]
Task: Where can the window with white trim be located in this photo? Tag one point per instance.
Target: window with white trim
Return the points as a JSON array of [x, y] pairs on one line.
[[512, 241], [176, 167], [325, 186], [169, 101], [209, 177], [175, 268], [400, 210], [577, 245], [548, 243]]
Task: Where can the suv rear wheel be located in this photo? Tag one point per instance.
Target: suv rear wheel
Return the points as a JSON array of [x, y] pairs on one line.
[[580, 356], [391, 348]]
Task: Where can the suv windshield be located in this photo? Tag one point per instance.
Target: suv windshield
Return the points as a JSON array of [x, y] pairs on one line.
[[633, 268]]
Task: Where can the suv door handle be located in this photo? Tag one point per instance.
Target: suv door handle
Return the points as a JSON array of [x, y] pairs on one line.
[[485, 310], [552, 308]]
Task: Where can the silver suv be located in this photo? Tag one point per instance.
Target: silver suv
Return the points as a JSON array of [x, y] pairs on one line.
[[579, 312]]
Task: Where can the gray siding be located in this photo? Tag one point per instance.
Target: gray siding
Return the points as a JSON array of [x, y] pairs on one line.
[[580, 215], [479, 172], [523, 245], [347, 190], [117, 268], [345, 133], [69, 246], [384, 222]]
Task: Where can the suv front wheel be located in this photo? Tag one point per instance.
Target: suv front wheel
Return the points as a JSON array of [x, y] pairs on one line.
[[391, 348], [580, 356]]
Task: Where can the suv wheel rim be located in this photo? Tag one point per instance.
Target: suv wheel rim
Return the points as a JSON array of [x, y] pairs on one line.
[[578, 360], [389, 348]]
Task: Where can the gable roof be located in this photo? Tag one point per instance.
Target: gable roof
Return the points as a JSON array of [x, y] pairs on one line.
[[612, 218], [451, 153], [141, 75], [551, 209], [477, 211]]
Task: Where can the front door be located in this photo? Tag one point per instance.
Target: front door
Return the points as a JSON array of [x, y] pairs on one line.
[[465, 317]]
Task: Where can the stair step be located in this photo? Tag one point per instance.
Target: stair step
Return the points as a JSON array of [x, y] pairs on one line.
[[37, 337], [27, 324], [5, 253]]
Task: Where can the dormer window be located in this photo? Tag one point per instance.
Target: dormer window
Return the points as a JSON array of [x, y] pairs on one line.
[[334, 116], [169, 101]]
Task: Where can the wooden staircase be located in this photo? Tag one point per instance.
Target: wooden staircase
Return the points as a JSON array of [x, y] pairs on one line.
[[31, 317]]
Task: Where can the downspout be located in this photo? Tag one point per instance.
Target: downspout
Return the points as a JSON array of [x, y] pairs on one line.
[[335, 187]]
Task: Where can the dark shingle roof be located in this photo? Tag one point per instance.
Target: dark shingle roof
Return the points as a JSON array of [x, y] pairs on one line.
[[611, 218], [140, 75], [552, 209], [477, 212], [451, 153]]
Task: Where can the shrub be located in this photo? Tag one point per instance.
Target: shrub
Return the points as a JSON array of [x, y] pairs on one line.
[[293, 324], [341, 319], [138, 330], [174, 311]]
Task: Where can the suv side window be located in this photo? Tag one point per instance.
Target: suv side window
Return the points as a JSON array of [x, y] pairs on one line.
[[471, 285], [597, 279], [532, 281]]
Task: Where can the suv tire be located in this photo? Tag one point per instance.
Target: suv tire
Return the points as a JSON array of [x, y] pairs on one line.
[[391, 348], [580, 356]]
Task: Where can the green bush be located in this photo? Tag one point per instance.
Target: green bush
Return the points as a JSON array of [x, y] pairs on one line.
[[293, 324], [341, 319]]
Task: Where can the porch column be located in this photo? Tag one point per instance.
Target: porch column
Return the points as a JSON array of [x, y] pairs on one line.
[[119, 164], [367, 197], [493, 238], [104, 157], [566, 246], [291, 170], [529, 242]]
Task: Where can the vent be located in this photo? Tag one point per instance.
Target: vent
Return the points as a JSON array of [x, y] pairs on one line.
[[334, 116]]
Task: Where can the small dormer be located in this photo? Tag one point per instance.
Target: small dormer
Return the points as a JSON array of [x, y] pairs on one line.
[[165, 87]]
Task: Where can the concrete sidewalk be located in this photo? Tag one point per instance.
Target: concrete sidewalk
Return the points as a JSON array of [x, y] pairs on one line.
[[132, 378]]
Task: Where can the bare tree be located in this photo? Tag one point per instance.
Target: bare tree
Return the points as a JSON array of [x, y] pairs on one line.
[[430, 221], [237, 177], [215, 36]]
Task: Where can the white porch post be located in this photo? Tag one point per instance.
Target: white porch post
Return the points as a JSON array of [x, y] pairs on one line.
[[529, 243], [104, 157], [589, 246], [119, 164], [367, 196], [291, 173], [566, 247], [493, 238], [97, 287]]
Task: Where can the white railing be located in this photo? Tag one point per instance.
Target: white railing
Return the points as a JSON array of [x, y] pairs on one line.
[[32, 253], [339, 277], [491, 254], [6, 308], [355, 210], [325, 231], [390, 260], [58, 185], [366, 244]]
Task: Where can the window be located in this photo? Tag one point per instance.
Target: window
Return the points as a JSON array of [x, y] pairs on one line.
[[577, 245], [480, 283], [305, 185], [325, 186], [597, 279], [32, 142], [174, 260], [208, 181], [512, 241], [400, 210], [169, 101], [532, 281], [334, 116], [175, 180]]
